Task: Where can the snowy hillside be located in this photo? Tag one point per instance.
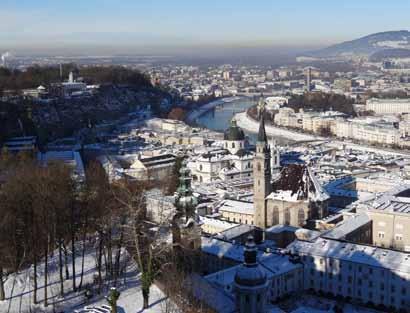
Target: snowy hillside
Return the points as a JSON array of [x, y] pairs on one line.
[[19, 290]]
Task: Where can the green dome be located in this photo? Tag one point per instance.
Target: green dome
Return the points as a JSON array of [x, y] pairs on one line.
[[234, 132]]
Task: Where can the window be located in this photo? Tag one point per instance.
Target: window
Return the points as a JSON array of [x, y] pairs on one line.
[[233, 145], [399, 237], [381, 234], [287, 217], [301, 217], [200, 167], [259, 166], [275, 215]]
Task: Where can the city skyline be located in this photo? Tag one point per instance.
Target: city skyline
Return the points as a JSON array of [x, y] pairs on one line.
[[173, 26]]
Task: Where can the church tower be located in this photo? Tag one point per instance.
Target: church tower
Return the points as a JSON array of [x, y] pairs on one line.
[[262, 175], [250, 282], [275, 158]]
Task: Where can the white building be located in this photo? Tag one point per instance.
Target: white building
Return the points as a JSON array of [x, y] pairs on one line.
[[357, 272], [232, 162], [388, 106]]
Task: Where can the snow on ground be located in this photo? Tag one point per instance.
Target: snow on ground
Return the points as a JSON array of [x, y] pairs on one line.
[[250, 125], [19, 289]]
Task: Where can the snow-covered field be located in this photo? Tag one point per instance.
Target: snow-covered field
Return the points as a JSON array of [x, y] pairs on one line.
[[19, 290]]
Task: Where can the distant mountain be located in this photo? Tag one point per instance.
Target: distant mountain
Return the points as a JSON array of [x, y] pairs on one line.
[[368, 45]]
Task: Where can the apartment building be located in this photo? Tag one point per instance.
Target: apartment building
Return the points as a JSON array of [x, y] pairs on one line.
[[388, 106]]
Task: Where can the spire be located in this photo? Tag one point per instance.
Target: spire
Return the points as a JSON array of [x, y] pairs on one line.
[[262, 132], [185, 200]]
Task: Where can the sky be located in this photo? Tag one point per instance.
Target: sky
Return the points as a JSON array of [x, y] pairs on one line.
[[171, 25]]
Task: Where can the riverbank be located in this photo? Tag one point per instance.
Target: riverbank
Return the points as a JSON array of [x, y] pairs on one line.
[[194, 114], [252, 126]]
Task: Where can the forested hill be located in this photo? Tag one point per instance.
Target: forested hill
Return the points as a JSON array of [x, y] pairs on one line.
[[34, 76], [122, 91]]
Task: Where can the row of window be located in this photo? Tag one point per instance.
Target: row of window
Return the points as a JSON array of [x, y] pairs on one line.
[[239, 220], [398, 237], [359, 293]]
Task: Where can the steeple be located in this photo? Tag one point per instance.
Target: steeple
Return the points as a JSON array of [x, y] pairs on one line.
[[185, 200], [262, 132], [262, 176], [185, 229]]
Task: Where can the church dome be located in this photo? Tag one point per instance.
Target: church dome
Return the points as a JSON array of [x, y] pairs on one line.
[[250, 273], [234, 132]]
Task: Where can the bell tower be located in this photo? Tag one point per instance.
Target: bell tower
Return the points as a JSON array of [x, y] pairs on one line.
[[262, 174], [275, 158]]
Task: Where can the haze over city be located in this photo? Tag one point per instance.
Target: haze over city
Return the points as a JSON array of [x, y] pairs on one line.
[[182, 26]]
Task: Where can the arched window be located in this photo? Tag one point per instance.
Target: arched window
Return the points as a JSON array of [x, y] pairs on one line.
[[233, 145], [301, 217], [287, 217], [275, 215], [200, 167], [259, 167]]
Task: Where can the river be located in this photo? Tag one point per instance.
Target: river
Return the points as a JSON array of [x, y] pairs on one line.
[[218, 118]]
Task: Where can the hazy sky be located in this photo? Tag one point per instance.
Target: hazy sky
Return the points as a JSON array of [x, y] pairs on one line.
[[177, 23]]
